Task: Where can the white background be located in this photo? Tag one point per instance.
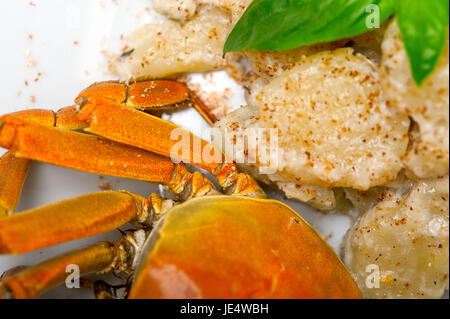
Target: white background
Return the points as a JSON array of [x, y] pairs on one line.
[[96, 26]]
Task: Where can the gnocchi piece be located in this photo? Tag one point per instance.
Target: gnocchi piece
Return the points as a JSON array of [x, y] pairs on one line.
[[405, 240], [174, 8], [335, 129], [236, 7], [161, 50], [233, 126], [316, 196], [363, 201], [428, 106], [269, 64]]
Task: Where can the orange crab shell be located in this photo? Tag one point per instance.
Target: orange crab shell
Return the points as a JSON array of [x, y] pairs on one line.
[[238, 247]]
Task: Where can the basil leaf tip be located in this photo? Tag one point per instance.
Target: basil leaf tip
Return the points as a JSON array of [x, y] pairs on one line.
[[424, 27]]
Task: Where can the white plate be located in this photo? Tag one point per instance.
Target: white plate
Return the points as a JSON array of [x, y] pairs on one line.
[[67, 40]]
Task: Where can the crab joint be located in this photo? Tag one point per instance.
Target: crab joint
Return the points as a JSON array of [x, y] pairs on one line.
[[153, 209], [185, 184], [64, 118], [103, 290], [132, 244], [235, 183]]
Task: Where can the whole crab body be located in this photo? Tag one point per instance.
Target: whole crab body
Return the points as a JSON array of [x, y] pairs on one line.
[[207, 243]]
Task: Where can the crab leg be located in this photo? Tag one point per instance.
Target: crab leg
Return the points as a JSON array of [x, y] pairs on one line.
[[83, 152], [36, 280], [148, 96], [109, 109], [124, 124], [78, 217], [70, 219], [122, 256], [96, 155], [92, 154], [12, 175]]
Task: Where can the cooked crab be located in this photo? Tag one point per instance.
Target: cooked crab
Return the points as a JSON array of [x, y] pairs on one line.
[[210, 246]]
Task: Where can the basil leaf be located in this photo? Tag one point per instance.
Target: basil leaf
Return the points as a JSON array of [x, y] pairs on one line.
[[287, 24], [424, 25]]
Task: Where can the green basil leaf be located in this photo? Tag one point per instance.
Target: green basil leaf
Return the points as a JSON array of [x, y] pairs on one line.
[[287, 24], [424, 25]]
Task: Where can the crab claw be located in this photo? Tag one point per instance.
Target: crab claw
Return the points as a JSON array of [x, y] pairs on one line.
[[148, 96]]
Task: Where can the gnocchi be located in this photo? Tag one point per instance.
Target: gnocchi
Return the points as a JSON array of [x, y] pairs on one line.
[[161, 50], [269, 64], [177, 9], [427, 106], [353, 128], [406, 238], [335, 129], [233, 127]]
